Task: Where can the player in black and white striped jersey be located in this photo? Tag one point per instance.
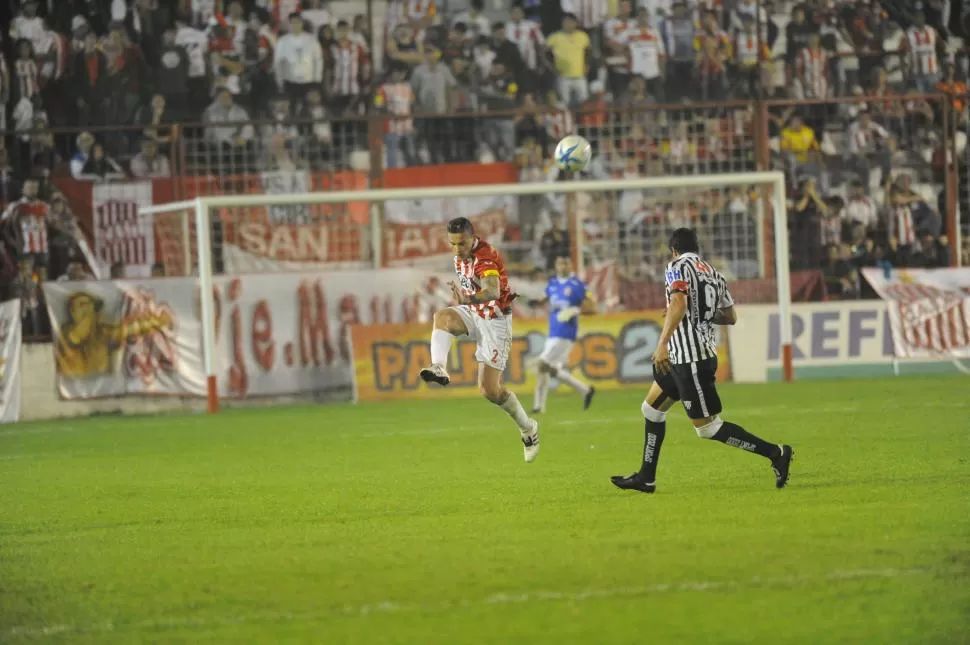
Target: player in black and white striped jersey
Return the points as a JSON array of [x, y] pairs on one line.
[[685, 366]]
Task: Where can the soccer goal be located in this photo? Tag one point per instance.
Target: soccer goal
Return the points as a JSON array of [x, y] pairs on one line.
[[615, 228]]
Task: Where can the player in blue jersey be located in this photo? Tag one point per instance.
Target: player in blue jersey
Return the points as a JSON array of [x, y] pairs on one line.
[[567, 298]]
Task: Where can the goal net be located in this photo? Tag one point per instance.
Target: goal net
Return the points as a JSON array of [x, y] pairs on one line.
[[378, 243]]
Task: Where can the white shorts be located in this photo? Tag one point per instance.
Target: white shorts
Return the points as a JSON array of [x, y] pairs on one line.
[[556, 351], [492, 335]]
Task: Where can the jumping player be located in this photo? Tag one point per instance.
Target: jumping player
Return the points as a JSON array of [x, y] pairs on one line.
[[567, 298], [685, 365], [484, 314]]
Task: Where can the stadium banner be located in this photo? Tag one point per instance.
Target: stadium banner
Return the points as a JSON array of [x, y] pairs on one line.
[[415, 229], [10, 351], [275, 334], [264, 238], [829, 340], [929, 310], [119, 234], [613, 351]]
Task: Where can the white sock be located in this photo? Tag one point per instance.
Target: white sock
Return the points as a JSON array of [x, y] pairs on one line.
[[542, 388], [440, 346], [515, 410], [573, 382]]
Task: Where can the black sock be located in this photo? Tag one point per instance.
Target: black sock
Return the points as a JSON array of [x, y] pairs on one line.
[[653, 438], [732, 434]]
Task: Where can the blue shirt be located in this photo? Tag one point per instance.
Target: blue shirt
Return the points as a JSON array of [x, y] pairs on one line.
[[562, 294]]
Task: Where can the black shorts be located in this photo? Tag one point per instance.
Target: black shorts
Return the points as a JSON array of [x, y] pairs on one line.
[[695, 385]]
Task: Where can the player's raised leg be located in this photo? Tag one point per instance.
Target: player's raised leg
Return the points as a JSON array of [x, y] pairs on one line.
[[662, 395], [554, 355], [447, 325], [491, 386], [702, 402]]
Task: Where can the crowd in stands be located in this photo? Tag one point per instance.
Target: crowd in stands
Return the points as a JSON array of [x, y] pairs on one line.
[[242, 86]]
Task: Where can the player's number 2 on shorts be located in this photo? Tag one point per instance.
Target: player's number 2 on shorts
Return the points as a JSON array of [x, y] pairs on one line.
[[495, 356], [710, 301]]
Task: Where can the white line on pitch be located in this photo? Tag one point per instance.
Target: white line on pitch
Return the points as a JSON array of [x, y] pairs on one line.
[[496, 599]]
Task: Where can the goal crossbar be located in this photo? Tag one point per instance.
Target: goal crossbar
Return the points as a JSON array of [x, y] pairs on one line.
[[200, 209]]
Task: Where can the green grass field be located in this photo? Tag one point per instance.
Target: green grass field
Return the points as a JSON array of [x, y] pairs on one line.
[[419, 523]]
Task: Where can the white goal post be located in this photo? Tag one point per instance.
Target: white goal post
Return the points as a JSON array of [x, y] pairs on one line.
[[198, 213]]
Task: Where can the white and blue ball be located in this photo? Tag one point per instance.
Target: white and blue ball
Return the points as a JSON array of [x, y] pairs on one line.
[[573, 153]]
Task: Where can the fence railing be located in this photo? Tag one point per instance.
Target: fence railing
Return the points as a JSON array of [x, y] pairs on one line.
[[919, 138]]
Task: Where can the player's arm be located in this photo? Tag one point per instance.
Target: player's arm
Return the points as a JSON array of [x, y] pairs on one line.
[[725, 316], [588, 306], [490, 289], [535, 303]]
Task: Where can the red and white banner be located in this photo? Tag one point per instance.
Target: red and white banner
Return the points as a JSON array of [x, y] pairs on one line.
[[120, 235], [275, 334], [929, 310], [414, 230], [10, 349]]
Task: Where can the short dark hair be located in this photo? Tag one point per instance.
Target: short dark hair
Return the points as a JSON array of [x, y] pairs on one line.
[[461, 225], [684, 240]]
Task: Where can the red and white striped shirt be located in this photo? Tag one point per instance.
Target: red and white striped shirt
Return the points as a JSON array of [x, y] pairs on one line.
[[484, 262], [903, 227], [350, 63], [26, 77], [812, 70], [590, 13], [921, 46], [528, 37], [30, 217], [396, 99]]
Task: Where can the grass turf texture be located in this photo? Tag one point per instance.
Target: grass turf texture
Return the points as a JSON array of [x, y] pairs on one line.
[[420, 523]]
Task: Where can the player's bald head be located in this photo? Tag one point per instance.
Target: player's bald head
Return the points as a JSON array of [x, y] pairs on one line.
[[684, 240]]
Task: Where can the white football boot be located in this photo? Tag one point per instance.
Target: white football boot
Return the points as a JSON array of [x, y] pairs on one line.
[[435, 374], [530, 442]]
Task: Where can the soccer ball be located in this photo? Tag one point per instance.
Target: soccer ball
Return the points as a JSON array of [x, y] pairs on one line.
[[573, 153]]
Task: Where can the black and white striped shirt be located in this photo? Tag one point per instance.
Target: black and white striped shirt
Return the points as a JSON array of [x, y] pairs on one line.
[[706, 289]]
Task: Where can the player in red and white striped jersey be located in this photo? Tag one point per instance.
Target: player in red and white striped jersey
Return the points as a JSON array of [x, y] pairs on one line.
[[921, 49], [526, 35], [349, 65], [483, 314]]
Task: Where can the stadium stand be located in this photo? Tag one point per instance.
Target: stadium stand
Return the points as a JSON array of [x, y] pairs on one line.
[[863, 104]]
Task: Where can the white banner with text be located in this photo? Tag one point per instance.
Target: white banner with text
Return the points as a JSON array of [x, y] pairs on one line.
[[275, 334]]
